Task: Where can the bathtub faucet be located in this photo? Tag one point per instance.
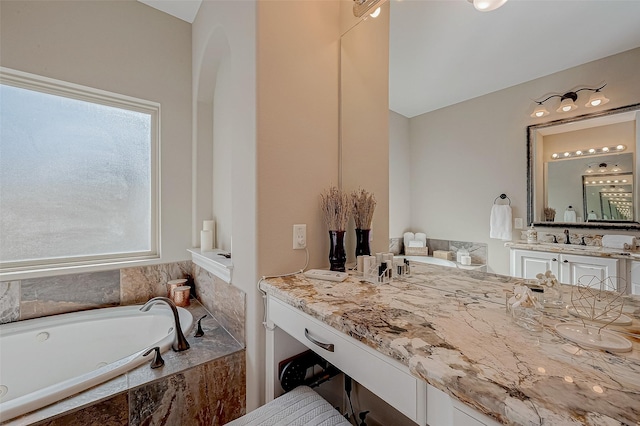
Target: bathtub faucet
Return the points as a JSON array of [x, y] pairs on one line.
[[181, 341]]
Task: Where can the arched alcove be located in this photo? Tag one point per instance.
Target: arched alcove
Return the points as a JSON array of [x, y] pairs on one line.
[[212, 153]]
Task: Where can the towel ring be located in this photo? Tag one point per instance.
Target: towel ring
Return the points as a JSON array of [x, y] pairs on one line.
[[502, 197]]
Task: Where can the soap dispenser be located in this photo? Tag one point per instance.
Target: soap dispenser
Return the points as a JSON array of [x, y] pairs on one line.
[[532, 235]]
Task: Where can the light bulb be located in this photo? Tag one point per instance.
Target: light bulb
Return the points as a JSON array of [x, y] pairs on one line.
[[591, 151], [605, 149], [375, 13], [620, 147], [578, 152], [566, 154]]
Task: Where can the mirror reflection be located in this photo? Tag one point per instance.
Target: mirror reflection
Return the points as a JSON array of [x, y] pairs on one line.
[[583, 170]]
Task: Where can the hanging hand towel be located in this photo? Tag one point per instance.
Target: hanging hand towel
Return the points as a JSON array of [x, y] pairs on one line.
[[501, 226], [570, 215]]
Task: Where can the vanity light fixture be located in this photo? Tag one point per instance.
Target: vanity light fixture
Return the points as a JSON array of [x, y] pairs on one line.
[[361, 7], [586, 152], [568, 101], [487, 5]]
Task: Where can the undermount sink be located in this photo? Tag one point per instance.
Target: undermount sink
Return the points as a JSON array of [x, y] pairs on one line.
[[572, 246]]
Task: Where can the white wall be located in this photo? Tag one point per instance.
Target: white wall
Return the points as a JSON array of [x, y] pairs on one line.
[[224, 47], [148, 57], [465, 155], [399, 175]]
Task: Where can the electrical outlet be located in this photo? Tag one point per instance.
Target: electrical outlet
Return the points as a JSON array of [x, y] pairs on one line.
[[518, 223], [299, 237]]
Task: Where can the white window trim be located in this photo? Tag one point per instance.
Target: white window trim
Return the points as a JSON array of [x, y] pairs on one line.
[[25, 269]]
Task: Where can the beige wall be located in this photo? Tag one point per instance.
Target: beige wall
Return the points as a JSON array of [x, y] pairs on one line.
[[123, 47], [465, 155], [297, 151]]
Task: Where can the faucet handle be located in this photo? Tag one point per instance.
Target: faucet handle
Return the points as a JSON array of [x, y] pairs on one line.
[[157, 359], [199, 331]]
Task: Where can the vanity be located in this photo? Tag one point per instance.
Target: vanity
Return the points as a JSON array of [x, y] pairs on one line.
[[440, 348], [569, 262]]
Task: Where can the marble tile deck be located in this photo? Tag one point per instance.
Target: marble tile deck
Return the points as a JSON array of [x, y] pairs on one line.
[[451, 329]]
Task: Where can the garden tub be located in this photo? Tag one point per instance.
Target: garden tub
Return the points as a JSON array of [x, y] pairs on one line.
[[44, 360]]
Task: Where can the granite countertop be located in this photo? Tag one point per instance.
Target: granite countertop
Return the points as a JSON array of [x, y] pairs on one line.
[[451, 329], [597, 251]]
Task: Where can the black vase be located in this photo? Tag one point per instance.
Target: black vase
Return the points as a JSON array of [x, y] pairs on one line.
[[362, 242], [337, 254]]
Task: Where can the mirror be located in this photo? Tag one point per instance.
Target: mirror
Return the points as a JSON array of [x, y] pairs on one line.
[[586, 169]]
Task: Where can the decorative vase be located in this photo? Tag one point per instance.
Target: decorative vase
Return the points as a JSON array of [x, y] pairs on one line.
[[337, 254], [362, 242]]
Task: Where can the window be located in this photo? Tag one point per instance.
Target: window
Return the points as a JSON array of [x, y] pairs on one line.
[[78, 174]]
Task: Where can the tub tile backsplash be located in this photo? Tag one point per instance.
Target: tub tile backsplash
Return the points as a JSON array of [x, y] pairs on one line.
[[227, 302], [66, 293], [9, 301], [45, 296], [138, 284], [209, 394]]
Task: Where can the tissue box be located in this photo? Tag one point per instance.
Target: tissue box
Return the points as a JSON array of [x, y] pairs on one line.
[[416, 251], [442, 254]]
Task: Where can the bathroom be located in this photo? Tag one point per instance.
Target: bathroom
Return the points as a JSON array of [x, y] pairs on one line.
[[279, 62]]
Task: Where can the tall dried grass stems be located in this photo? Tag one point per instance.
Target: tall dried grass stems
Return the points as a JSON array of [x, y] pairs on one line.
[[336, 208], [363, 204]]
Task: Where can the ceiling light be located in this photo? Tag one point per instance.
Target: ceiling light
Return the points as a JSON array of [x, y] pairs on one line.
[[540, 111], [568, 99], [567, 104], [487, 5], [375, 13], [586, 152], [597, 98]]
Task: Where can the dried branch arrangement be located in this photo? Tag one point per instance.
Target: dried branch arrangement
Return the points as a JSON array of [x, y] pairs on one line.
[[363, 204], [336, 208], [549, 213]]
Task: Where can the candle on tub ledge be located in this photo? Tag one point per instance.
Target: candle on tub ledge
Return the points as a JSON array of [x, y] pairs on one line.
[[206, 240]]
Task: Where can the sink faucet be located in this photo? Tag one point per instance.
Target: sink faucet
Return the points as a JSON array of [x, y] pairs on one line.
[[567, 240], [555, 240], [181, 341]]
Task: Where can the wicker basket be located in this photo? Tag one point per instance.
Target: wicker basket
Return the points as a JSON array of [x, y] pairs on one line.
[[416, 251]]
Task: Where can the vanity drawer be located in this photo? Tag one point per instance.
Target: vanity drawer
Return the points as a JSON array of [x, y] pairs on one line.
[[383, 376]]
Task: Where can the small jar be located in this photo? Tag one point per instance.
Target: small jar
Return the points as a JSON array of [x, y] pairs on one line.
[[181, 295], [173, 284], [532, 235]]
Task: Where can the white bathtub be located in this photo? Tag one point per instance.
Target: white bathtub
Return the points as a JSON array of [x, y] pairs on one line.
[[428, 260], [44, 360]]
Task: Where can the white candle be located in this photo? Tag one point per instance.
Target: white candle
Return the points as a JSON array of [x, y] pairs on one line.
[[209, 225], [206, 240]]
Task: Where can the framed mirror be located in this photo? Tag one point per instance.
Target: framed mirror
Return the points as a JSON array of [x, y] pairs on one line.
[[583, 171]]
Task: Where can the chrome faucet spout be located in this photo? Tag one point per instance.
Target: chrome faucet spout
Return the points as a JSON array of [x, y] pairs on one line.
[[567, 240], [181, 343]]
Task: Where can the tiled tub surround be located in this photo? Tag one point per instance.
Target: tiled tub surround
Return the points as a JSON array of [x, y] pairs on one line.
[[451, 329], [203, 385], [40, 297], [217, 358]]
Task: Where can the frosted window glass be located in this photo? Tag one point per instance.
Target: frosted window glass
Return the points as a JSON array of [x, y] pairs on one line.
[[75, 177]]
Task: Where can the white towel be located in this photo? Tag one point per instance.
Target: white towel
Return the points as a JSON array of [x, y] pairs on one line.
[[570, 216], [408, 236], [624, 242], [501, 226], [422, 238]]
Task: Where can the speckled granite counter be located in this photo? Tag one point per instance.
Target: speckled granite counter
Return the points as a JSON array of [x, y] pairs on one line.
[[597, 251], [451, 329]]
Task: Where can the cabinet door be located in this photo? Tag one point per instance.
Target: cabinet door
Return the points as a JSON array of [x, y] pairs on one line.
[[635, 277], [574, 267], [527, 264]]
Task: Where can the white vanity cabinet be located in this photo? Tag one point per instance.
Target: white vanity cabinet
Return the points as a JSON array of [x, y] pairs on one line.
[[568, 268]]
